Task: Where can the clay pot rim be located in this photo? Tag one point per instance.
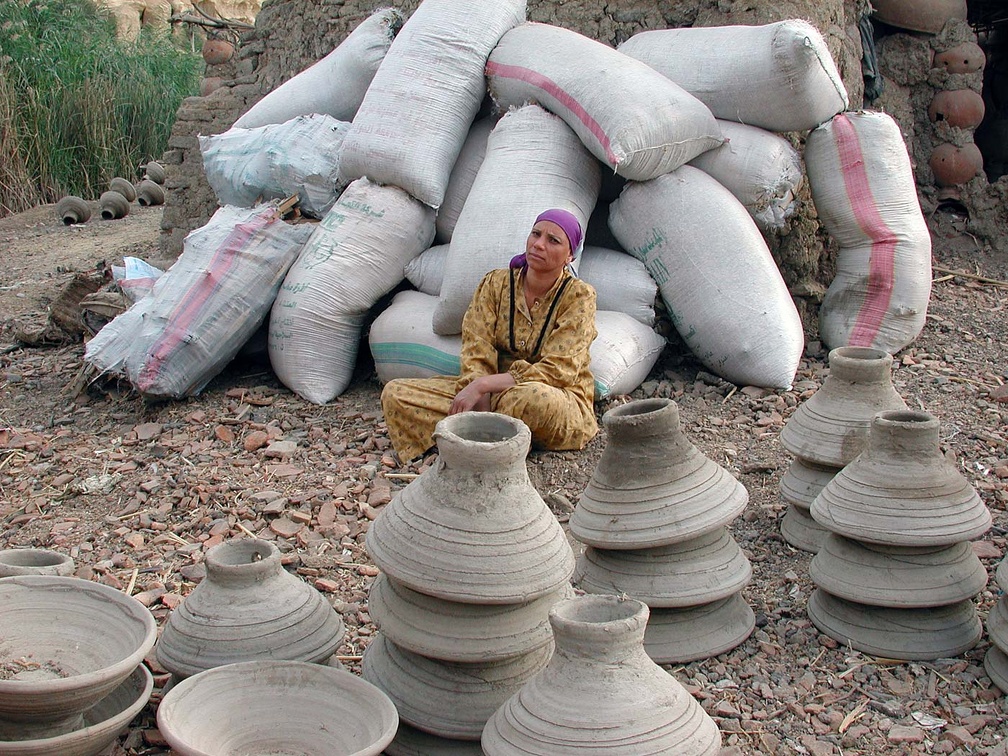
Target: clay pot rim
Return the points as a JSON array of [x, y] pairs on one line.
[[905, 419], [235, 558], [637, 409], [33, 558], [598, 615], [483, 429]]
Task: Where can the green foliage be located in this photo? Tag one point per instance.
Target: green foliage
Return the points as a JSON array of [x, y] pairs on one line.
[[79, 106]]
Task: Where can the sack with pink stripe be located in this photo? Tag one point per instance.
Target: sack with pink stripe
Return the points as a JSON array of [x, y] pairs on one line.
[[627, 114], [863, 188]]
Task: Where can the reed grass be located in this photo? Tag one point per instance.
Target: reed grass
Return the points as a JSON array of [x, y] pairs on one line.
[[79, 106]]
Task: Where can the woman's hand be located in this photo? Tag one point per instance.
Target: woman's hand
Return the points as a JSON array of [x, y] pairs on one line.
[[476, 396]]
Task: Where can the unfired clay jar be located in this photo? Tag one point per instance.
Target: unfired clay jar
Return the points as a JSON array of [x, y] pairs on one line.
[[652, 487], [901, 490], [906, 634], [72, 210], [473, 528], [34, 562], [952, 165], [800, 484], [968, 57], [961, 108], [704, 569], [248, 608], [446, 698], [150, 193], [409, 741], [677, 636], [919, 15], [112, 205], [600, 693], [124, 187], [898, 576], [996, 659]]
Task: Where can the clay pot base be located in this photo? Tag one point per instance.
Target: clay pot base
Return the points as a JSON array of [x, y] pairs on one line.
[[997, 623], [448, 699], [996, 666], [804, 480], [451, 631], [409, 741], [100, 725], [900, 577], [701, 570], [903, 634], [676, 636], [801, 531]]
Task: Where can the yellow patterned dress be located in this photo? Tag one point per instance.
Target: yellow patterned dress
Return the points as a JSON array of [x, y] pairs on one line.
[[545, 349]]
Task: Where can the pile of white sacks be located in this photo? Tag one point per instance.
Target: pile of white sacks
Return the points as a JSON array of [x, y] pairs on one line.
[[388, 141]]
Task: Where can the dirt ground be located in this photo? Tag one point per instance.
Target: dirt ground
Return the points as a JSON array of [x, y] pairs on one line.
[[138, 493]]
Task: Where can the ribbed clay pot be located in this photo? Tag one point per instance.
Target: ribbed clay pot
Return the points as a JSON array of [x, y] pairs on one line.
[[953, 165], [928, 16], [452, 631], [652, 487], [968, 57], [677, 636], [901, 490], [698, 571], [72, 210], [447, 699], [831, 427], [113, 206], [409, 741], [150, 193], [905, 634], [248, 608], [34, 562], [961, 108], [800, 484], [473, 528], [898, 576], [124, 187], [600, 693], [996, 659], [153, 171]]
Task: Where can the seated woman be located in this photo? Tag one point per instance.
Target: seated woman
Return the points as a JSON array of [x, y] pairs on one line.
[[525, 340]]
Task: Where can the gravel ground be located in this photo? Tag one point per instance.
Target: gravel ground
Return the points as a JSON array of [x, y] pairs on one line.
[[138, 493]]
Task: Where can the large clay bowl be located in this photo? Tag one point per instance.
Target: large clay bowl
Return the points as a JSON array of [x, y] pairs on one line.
[[276, 707], [102, 723], [67, 644]]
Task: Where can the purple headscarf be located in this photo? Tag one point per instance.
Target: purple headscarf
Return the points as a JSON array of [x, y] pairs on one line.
[[567, 221]]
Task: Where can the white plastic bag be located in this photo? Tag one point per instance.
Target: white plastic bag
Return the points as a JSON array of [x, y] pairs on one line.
[[863, 188], [630, 117], [334, 85], [205, 307], [722, 288], [533, 162], [300, 156], [416, 114], [780, 76], [760, 168], [354, 257]]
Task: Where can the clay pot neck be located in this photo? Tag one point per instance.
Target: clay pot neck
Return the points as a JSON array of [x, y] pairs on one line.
[[605, 628], [239, 563], [480, 441], [904, 431], [860, 365], [650, 427]]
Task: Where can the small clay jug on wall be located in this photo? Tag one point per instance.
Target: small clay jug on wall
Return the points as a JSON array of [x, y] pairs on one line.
[[473, 528], [652, 487], [901, 490], [248, 607], [600, 693]]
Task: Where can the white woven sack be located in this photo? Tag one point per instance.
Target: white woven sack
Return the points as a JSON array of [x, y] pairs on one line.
[[300, 156], [334, 85], [403, 345], [204, 308], [461, 179], [722, 288], [416, 114], [533, 162], [631, 118], [760, 168], [426, 270], [863, 187], [780, 76], [354, 257]]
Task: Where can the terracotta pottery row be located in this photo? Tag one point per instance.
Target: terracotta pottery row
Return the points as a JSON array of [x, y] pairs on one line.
[[473, 529], [905, 634], [248, 607], [898, 576], [928, 16], [34, 562], [901, 490], [652, 487], [600, 693], [452, 631], [996, 659], [704, 569]]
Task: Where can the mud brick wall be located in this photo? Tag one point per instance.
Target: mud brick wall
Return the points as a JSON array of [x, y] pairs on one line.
[[290, 35]]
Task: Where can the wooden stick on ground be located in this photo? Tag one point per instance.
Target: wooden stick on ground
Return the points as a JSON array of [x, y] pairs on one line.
[[970, 276]]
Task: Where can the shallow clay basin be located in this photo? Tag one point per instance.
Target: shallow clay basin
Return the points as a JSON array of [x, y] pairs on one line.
[[276, 708], [65, 644]]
